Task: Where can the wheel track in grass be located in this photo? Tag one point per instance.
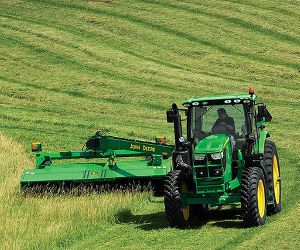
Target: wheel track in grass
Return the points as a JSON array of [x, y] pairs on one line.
[[250, 238], [77, 93], [109, 73], [233, 20], [72, 93], [260, 6], [87, 34], [89, 53], [73, 63], [175, 32], [80, 94], [54, 57]]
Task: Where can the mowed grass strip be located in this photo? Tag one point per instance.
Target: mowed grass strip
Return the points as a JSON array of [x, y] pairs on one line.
[[151, 16], [125, 34]]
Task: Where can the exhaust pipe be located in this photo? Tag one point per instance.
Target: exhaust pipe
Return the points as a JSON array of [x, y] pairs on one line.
[[177, 128], [181, 154]]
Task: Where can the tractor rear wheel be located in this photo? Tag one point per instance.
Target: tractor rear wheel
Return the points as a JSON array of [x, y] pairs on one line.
[[253, 197], [176, 183], [273, 176]]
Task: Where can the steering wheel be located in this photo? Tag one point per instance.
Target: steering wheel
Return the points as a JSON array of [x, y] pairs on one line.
[[220, 129]]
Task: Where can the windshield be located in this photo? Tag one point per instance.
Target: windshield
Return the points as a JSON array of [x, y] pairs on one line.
[[217, 119]]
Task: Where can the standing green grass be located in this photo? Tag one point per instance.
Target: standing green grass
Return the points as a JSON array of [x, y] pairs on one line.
[[70, 68], [52, 220]]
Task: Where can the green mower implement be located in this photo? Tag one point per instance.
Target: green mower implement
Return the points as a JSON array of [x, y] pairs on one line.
[[224, 158], [154, 168]]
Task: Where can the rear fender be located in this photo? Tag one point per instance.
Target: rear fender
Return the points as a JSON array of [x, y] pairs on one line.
[[262, 138]]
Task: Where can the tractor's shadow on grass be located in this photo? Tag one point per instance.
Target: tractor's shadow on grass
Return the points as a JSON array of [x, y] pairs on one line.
[[146, 222], [224, 218]]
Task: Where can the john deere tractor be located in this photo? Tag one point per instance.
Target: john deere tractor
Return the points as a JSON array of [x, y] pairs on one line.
[[224, 158]]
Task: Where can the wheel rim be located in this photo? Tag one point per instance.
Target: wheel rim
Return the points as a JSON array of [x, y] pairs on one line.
[[185, 211], [261, 198], [276, 179]]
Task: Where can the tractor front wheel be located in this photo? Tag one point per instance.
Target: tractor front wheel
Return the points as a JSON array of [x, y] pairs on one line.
[[253, 197], [176, 184]]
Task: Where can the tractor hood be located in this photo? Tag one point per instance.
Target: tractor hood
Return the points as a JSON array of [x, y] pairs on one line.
[[212, 143]]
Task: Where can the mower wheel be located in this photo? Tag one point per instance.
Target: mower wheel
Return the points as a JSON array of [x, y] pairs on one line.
[[273, 176], [176, 183], [253, 197]]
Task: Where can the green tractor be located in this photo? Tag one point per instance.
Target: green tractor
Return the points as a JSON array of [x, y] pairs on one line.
[[225, 158]]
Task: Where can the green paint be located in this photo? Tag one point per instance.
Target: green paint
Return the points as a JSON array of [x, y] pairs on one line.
[[101, 146]]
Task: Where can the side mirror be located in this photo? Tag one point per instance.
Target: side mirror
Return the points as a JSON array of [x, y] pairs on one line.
[[263, 113], [268, 116], [262, 110], [170, 116]]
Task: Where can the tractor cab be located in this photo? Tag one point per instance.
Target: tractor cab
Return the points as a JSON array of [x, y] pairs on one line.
[[217, 131], [214, 122], [211, 117], [218, 119]]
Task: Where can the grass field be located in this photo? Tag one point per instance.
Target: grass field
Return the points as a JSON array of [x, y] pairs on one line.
[[69, 68]]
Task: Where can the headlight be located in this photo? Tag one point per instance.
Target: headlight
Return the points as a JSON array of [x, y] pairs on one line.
[[217, 156], [199, 157]]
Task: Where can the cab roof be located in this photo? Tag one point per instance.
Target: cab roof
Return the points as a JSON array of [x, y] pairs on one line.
[[219, 99]]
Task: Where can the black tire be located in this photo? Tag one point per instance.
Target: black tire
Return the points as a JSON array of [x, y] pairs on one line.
[[253, 197], [176, 183], [271, 162]]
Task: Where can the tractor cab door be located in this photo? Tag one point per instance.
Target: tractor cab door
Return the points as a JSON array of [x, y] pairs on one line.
[[195, 131]]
